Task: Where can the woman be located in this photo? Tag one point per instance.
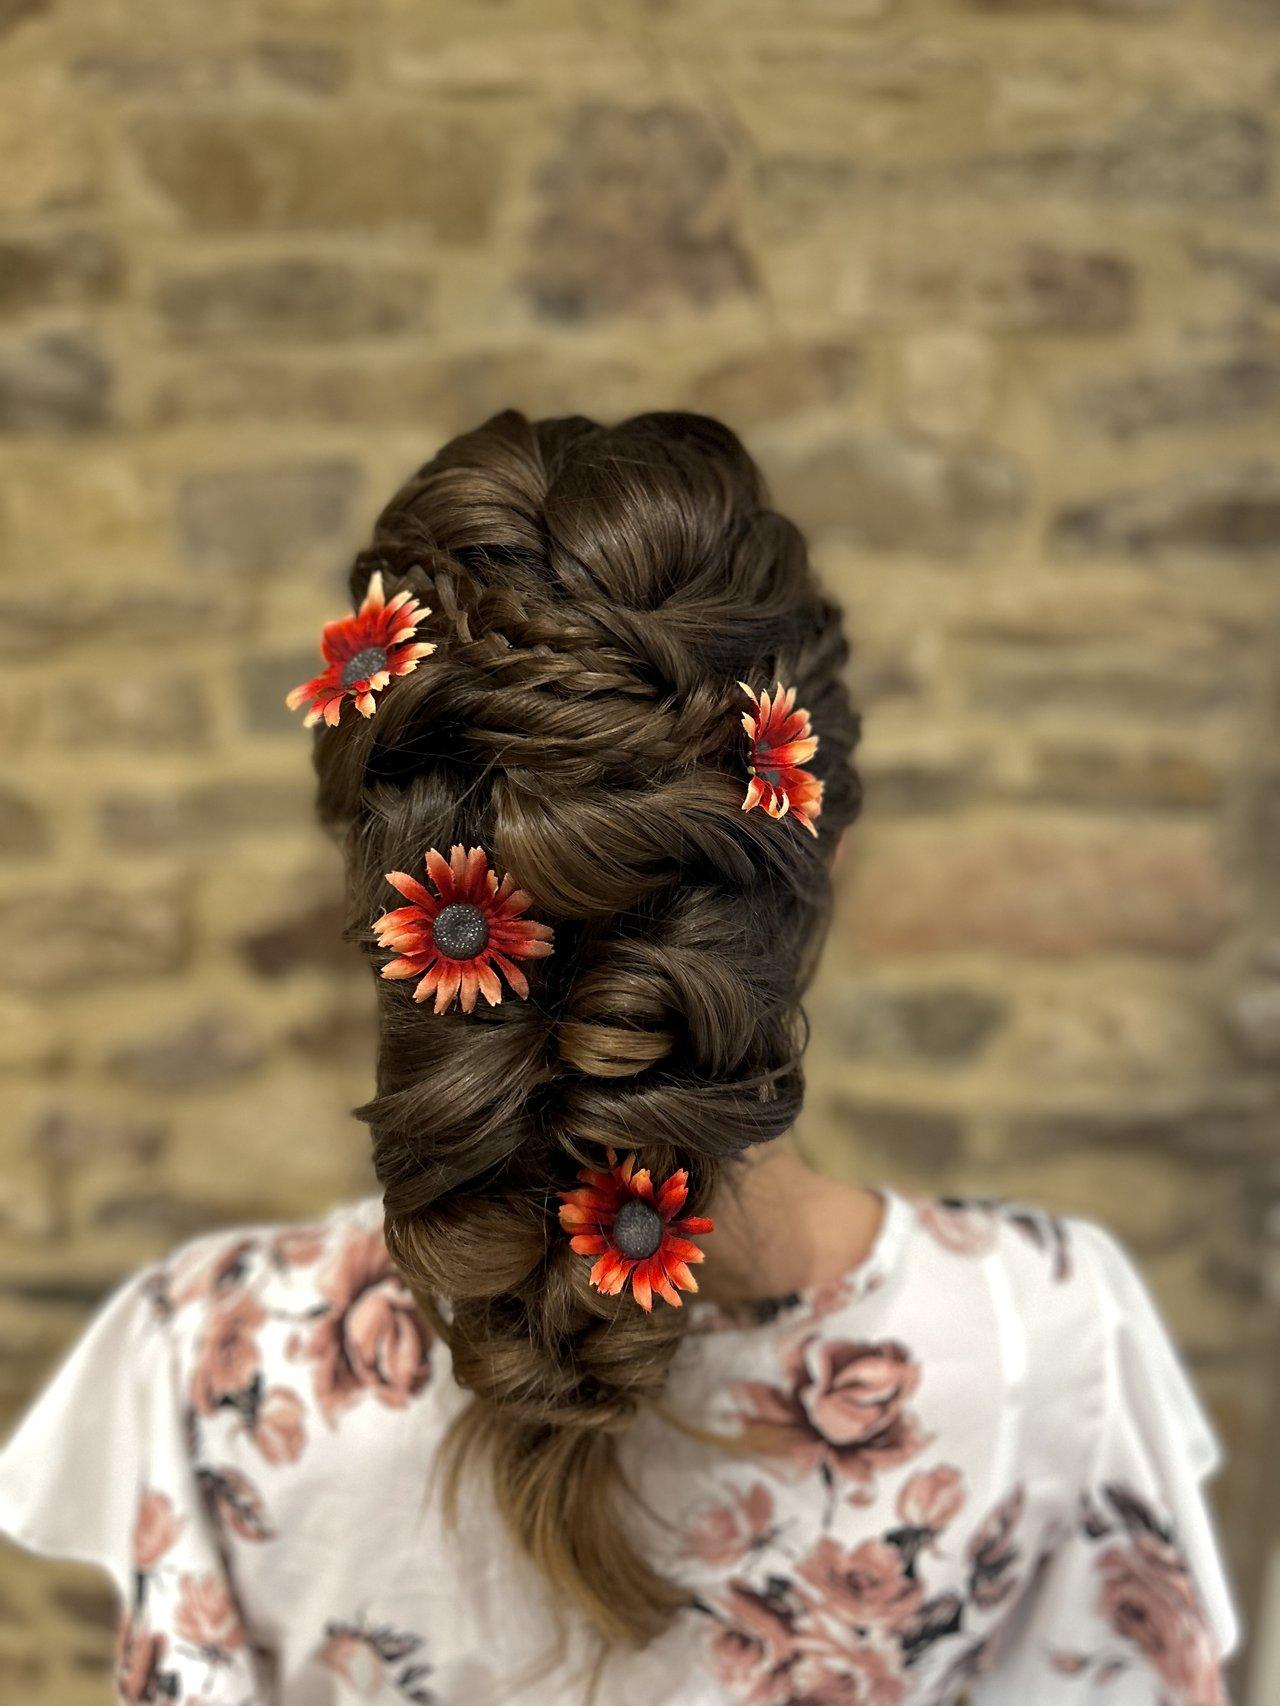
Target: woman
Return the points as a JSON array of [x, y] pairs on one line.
[[587, 748]]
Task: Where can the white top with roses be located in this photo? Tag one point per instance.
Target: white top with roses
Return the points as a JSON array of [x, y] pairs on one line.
[[976, 1470]]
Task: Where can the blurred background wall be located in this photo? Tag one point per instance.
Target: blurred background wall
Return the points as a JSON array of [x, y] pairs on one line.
[[992, 289]]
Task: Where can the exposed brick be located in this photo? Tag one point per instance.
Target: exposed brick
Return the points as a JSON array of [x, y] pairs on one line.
[[900, 1138], [131, 711], [276, 171], [264, 683], [56, 382], [89, 933], [1230, 510], [1253, 1022], [1123, 1032], [1024, 287], [774, 383], [938, 1024], [1038, 892], [203, 816], [24, 831], [1103, 773], [898, 492], [57, 268], [1168, 153], [310, 936], [205, 1051], [242, 520], [1199, 394], [14, 12], [637, 209], [293, 299]]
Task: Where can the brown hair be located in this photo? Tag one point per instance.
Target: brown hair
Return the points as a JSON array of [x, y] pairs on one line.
[[597, 594]]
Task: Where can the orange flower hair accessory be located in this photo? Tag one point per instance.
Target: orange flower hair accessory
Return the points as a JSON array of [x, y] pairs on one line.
[[632, 1230], [781, 743], [458, 939], [363, 653]]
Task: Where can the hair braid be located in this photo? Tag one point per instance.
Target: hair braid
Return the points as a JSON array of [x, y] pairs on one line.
[[596, 596]]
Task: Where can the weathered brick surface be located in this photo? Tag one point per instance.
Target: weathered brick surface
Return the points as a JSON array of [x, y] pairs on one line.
[[994, 292]]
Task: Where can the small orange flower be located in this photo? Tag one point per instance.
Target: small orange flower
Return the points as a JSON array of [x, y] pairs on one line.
[[631, 1228], [452, 940], [781, 743], [363, 653]]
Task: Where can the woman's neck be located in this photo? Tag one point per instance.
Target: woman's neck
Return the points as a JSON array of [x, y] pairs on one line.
[[782, 1227]]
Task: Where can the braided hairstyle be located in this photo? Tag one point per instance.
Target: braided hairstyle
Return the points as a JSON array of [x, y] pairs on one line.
[[596, 594]]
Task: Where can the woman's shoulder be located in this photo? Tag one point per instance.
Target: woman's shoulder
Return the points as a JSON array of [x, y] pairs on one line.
[[271, 1321], [220, 1380]]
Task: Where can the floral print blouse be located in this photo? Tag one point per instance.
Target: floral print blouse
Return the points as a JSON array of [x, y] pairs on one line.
[[975, 1473]]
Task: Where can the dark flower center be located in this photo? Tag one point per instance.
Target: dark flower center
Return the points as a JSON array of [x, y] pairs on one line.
[[637, 1231], [460, 931], [363, 665]]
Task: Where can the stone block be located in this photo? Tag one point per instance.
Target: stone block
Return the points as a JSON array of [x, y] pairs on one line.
[[776, 383], [1207, 513], [204, 1052], [203, 816], [1192, 395], [636, 209], [253, 519], [292, 300], [309, 170], [56, 268], [901, 492], [1038, 892], [889, 1136], [81, 934], [1108, 774], [934, 1024], [56, 382], [24, 828]]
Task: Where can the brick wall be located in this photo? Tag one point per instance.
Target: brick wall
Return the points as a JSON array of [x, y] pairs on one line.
[[992, 288]]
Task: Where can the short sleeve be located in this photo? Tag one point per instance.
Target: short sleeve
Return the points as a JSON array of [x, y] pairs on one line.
[[1132, 1604], [99, 1471]]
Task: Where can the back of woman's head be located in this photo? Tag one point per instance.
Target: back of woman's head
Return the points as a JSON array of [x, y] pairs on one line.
[[597, 595]]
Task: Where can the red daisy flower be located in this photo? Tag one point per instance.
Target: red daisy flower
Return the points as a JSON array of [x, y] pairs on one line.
[[452, 940], [781, 743], [631, 1228], [363, 653]]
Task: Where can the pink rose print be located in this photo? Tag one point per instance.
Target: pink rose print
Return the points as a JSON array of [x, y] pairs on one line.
[[297, 1246], [228, 1358], [355, 1661], [754, 1640], [234, 1503], [866, 1586], [369, 1659], [723, 1535], [1149, 1599], [278, 1430], [155, 1529], [372, 1338], [844, 1409], [965, 1228], [197, 1277], [992, 1552], [969, 1227], [930, 1499], [857, 1674], [139, 1679], [782, 1648], [207, 1616]]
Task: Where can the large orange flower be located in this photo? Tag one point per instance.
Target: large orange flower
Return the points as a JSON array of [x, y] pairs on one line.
[[781, 743], [454, 939], [631, 1227], [363, 653]]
